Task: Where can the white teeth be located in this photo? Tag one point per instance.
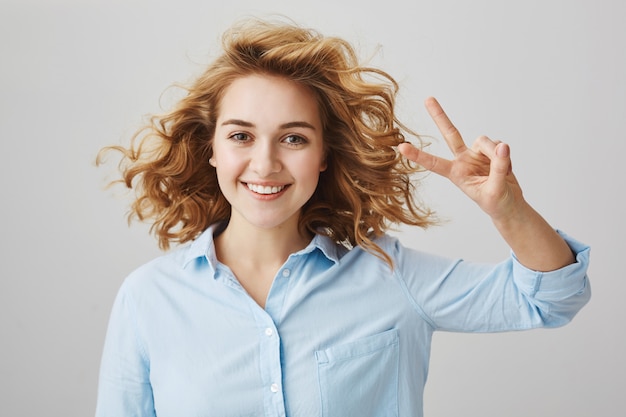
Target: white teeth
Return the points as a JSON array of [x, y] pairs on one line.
[[260, 189]]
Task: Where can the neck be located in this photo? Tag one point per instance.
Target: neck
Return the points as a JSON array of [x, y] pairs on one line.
[[259, 247]]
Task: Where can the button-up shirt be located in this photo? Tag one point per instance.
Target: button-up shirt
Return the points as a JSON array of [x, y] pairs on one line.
[[341, 334]]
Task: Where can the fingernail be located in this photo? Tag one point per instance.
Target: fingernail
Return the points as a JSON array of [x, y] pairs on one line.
[[502, 150]]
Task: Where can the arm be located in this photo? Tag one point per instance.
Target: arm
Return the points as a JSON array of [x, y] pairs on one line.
[[461, 296], [124, 386], [484, 173]]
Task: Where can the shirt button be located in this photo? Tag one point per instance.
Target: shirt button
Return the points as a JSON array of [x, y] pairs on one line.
[[286, 273], [269, 331], [274, 388]]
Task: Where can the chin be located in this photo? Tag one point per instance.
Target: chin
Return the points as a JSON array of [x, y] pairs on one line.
[[273, 222]]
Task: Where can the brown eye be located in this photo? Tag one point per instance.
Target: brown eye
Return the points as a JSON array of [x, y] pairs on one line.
[[239, 137], [294, 140]]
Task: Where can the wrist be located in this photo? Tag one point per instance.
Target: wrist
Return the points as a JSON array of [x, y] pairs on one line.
[[519, 215]]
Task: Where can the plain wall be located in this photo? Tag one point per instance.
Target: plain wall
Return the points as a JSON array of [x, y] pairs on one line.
[[546, 76]]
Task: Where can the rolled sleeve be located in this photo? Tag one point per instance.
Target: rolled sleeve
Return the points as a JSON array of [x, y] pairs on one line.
[[561, 293]]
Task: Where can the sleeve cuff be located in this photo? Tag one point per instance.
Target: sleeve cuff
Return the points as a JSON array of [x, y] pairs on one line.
[[558, 284]]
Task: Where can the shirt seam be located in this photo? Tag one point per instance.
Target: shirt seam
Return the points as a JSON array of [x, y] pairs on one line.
[[132, 313], [416, 306]]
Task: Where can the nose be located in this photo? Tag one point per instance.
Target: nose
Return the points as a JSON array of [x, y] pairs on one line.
[[265, 159]]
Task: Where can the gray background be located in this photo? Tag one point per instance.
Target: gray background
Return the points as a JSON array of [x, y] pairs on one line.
[[546, 76]]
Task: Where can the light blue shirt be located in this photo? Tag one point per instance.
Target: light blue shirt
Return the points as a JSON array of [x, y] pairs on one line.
[[341, 334]]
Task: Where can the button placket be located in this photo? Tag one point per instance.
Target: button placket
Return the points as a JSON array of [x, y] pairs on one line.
[[271, 372], [269, 321]]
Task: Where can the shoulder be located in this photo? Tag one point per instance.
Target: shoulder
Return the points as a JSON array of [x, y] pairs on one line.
[[162, 271], [401, 252], [413, 263]]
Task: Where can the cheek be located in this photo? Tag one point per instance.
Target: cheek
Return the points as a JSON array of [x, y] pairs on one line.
[[311, 169], [225, 161], [311, 162], [226, 170]]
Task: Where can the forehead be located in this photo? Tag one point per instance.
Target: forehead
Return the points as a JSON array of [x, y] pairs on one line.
[[266, 98]]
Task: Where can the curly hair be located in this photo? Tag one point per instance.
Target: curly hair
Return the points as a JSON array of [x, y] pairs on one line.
[[367, 185]]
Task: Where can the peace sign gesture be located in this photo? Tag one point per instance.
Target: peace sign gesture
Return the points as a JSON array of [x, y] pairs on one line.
[[483, 172]]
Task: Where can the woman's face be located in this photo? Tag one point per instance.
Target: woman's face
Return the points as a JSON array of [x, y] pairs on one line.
[[268, 149]]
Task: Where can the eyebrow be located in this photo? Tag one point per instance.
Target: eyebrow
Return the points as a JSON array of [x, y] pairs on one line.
[[287, 125]]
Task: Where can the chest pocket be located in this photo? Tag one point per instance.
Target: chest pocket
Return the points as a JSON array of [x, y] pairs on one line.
[[360, 378]]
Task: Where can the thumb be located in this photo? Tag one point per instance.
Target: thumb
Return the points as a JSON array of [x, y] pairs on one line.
[[501, 165]]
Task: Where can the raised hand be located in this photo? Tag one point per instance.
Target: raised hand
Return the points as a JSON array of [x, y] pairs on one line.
[[484, 173]]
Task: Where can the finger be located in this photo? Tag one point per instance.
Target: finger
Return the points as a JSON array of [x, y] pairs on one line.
[[485, 146], [448, 130], [428, 161], [500, 165], [494, 150], [489, 148]]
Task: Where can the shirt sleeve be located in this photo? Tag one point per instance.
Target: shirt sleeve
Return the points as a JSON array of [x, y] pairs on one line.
[[124, 387], [461, 296]]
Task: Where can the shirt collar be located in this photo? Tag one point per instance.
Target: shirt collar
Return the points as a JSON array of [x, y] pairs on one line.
[[328, 247], [204, 246]]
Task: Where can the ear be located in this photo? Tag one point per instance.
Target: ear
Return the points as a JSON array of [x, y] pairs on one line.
[[324, 163], [212, 162]]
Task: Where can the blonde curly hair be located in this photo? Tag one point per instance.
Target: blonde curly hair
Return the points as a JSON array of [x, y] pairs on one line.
[[367, 185]]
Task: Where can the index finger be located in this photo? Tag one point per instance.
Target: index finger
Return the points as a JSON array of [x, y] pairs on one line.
[[448, 130]]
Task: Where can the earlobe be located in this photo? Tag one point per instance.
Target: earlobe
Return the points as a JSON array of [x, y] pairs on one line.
[[212, 162]]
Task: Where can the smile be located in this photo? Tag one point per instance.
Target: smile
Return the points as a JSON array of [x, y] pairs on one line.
[[265, 189]]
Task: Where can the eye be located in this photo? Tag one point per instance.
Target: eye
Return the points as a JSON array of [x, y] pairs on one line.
[[239, 137], [294, 140]]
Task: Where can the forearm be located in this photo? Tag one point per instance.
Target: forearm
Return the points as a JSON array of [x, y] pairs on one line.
[[535, 243]]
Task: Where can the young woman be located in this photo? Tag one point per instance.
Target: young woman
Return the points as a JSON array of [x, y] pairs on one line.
[[283, 167]]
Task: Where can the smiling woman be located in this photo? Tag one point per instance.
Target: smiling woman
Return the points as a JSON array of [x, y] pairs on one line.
[[268, 152], [366, 185], [283, 168]]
